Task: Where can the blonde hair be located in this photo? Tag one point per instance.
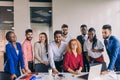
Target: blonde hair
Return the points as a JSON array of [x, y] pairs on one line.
[[79, 49]]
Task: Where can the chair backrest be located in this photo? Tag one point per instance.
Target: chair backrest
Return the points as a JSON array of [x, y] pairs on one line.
[[4, 76]]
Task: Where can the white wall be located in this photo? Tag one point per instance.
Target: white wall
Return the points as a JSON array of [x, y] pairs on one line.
[[94, 13], [37, 29]]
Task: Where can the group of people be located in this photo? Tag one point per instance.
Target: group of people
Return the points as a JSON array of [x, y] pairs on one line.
[[63, 54]]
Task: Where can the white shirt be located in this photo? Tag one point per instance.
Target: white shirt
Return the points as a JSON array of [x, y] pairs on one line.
[[85, 37], [56, 53], [88, 47], [17, 51], [44, 53], [68, 38]]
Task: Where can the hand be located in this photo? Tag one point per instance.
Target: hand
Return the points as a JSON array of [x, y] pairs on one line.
[[23, 71], [105, 72], [28, 71], [77, 72], [46, 63], [94, 50], [13, 77], [55, 71]]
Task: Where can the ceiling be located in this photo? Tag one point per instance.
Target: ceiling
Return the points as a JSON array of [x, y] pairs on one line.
[[37, 15], [33, 0]]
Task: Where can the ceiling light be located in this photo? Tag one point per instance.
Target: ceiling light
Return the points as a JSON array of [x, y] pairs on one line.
[[9, 10]]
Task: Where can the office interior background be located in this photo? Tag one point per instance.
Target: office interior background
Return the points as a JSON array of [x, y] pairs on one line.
[[48, 16]]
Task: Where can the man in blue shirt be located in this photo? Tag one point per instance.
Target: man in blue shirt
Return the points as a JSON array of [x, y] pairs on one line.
[[112, 45]]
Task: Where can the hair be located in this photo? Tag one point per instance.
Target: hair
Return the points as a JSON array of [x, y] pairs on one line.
[[107, 26], [79, 49], [83, 25], [57, 32], [8, 35], [46, 41], [64, 26], [28, 31], [94, 38]]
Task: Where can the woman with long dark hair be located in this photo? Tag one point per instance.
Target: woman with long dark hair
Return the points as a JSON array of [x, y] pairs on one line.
[[40, 51], [93, 47], [14, 58]]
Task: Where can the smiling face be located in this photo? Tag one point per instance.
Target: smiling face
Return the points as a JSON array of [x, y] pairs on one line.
[[83, 30], [29, 36], [106, 33], [42, 38], [58, 38], [65, 31], [13, 37], [91, 35], [73, 45]]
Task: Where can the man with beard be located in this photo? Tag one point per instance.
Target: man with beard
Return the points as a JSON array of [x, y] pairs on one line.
[[56, 51], [27, 51], [112, 45], [65, 36], [81, 38]]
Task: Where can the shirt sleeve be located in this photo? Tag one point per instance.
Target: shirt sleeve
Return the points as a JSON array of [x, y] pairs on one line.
[[81, 61], [66, 62], [10, 60], [100, 45], [37, 51], [51, 57], [114, 56], [24, 48]]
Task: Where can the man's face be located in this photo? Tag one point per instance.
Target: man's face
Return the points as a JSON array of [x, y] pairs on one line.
[[29, 36], [65, 31], [58, 38], [84, 30], [106, 33]]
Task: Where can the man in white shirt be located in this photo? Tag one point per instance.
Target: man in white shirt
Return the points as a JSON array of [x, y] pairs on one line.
[[65, 36], [56, 51]]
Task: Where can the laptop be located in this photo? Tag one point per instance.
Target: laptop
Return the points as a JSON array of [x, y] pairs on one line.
[[93, 73]]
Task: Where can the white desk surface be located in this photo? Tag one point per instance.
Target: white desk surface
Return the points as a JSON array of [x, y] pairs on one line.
[[69, 76]]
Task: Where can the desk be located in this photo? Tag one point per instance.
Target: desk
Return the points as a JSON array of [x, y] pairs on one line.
[[69, 76]]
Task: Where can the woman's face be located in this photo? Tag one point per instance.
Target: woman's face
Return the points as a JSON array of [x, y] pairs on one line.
[[13, 37], [73, 45], [91, 35], [42, 38]]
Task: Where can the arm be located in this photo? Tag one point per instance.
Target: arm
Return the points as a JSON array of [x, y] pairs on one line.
[[24, 48], [36, 52], [113, 57], [10, 60], [51, 59]]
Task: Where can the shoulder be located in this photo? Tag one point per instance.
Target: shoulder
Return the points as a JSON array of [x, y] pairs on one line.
[[8, 44], [79, 36], [67, 54], [36, 43]]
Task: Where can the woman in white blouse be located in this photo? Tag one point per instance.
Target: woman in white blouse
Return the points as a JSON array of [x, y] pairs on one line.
[[93, 47], [40, 53]]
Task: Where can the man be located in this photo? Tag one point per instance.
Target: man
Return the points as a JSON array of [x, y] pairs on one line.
[[112, 45], [56, 51], [27, 51], [81, 39], [65, 36]]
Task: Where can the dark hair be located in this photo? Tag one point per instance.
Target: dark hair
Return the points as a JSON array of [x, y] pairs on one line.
[[107, 26], [8, 35], [94, 38], [28, 31], [46, 41], [64, 26], [83, 25], [57, 32]]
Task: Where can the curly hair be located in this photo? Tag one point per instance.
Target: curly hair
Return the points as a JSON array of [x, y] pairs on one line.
[[79, 48]]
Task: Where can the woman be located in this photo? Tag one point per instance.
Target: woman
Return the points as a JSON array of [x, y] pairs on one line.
[[14, 58], [73, 61], [93, 47], [41, 50]]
